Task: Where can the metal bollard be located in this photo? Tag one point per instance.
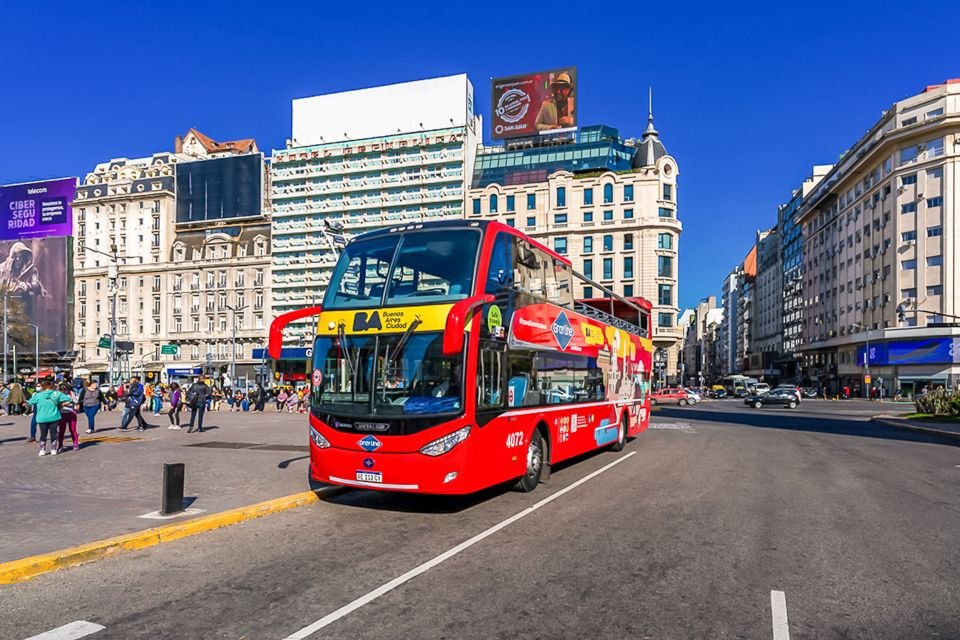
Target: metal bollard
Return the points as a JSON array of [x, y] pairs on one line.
[[172, 489]]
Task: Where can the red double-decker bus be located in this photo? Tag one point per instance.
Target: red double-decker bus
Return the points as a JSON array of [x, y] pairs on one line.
[[452, 356]]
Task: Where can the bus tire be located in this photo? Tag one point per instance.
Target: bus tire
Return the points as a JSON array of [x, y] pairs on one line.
[[535, 461], [622, 435]]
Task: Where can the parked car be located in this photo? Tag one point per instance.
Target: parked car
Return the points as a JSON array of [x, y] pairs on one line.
[[670, 396], [761, 388], [808, 392], [717, 394], [783, 397]]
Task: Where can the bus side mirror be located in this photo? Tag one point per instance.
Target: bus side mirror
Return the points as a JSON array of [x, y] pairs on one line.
[[275, 345], [453, 332]]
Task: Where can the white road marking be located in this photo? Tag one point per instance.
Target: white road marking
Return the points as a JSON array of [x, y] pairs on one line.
[[72, 631], [446, 555], [778, 606]]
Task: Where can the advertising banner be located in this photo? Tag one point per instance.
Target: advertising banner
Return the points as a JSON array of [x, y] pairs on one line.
[[33, 277], [37, 209], [924, 351], [535, 104]]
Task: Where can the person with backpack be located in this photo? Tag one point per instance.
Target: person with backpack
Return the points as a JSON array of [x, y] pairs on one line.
[[46, 404], [68, 418], [135, 397], [197, 397], [90, 401], [176, 397]]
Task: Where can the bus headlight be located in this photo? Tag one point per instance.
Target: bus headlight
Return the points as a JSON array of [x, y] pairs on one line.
[[318, 439], [446, 443]]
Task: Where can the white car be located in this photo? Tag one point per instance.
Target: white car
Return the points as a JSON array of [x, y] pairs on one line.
[[694, 396], [762, 388]]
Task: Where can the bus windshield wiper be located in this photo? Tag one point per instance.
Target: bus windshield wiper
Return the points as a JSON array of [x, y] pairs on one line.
[[402, 342]]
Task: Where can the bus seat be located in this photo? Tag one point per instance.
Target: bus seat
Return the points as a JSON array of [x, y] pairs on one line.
[[518, 389]]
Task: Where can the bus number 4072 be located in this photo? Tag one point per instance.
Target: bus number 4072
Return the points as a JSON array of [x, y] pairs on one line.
[[515, 439]]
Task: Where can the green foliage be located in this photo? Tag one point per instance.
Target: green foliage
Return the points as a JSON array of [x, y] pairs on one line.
[[939, 402]]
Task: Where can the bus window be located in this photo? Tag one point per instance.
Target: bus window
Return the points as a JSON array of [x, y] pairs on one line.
[[560, 288], [434, 266], [361, 274], [521, 380], [500, 274], [490, 378]]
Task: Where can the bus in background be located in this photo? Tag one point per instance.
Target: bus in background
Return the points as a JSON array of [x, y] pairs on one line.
[[451, 356]]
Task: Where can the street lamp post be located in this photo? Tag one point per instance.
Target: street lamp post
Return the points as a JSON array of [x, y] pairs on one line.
[[112, 276], [36, 354], [866, 357], [233, 343]]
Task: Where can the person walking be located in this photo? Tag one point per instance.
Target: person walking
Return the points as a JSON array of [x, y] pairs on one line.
[[90, 401], [157, 398], [4, 395], [197, 397], [260, 396], [148, 397], [46, 403], [15, 399], [68, 418], [135, 398], [176, 398]]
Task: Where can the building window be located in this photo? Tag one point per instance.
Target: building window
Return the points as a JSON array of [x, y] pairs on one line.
[[908, 264], [588, 216], [628, 193], [511, 204], [493, 203], [933, 232], [910, 179], [664, 241], [936, 201], [665, 212], [560, 245], [665, 266], [608, 268], [934, 261], [608, 243], [665, 295], [588, 268], [561, 196], [476, 206], [909, 154], [907, 236], [935, 112], [908, 293], [665, 320], [531, 221], [628, 290], [628, 242], [628, 266], [588, 292], [668, 192], [587, 197], [559, 218], [936, 290], [511, 222], [531, 201], [628, 214], [909, 207], [608, 216], [588, 244], [934, 148], [607, 193]]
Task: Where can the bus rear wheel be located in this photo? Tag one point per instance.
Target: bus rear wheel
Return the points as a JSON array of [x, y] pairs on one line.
[[531, 477], [621, 435]]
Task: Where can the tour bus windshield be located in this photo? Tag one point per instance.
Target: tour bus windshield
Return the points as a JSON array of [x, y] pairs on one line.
[[405, 268], [386, 375]]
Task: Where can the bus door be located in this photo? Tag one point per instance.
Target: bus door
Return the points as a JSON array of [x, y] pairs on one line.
[[491, 380]]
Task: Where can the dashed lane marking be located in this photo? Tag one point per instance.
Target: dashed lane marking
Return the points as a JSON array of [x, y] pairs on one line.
[[347, 609], [778, 608], [72, 631]]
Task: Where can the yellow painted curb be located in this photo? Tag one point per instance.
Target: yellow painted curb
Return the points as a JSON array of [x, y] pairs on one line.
[[27, 568]]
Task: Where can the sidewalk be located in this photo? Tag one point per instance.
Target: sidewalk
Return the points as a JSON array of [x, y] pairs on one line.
[[99, 491], [944, 429]]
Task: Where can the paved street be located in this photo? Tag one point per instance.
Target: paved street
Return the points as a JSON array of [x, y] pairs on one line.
[[685, 534]]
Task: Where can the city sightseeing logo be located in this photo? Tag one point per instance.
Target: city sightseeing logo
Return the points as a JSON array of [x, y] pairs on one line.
[[562, 331], [512, 107]]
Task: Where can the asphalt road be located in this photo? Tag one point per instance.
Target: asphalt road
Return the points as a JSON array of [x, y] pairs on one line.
[[685, 534]]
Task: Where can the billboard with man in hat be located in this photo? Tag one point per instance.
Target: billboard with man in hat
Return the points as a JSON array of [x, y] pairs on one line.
[[535, 104]]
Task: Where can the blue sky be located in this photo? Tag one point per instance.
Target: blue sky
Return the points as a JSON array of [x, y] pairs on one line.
[[746, 98]]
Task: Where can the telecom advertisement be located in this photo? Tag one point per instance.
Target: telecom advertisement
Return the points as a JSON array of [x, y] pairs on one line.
[[535, 104], [33, 276], [37, 209]]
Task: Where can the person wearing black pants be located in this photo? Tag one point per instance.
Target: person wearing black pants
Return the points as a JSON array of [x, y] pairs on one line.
[[197, 397], [135, 399]]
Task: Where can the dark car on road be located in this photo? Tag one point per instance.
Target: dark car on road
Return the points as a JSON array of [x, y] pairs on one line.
[[783, 397]]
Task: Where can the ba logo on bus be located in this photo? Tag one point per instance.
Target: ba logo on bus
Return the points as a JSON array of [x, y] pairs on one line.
[[562, 330], [369, 444]]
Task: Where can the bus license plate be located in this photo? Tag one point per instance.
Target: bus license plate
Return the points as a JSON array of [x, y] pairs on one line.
[[369, 476]]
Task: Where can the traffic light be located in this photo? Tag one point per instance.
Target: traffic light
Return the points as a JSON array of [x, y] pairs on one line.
[[901, 313]]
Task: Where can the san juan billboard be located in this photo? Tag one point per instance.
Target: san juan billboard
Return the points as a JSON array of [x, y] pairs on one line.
[[533, 104], [34, 280], [37, 209]]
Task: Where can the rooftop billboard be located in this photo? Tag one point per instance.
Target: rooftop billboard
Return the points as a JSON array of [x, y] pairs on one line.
[[220, 188], [34, 272], [534, 104], [37, 209]]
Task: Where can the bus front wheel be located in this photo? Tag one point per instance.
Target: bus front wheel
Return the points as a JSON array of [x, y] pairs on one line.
[[531, 477], [621, 436]]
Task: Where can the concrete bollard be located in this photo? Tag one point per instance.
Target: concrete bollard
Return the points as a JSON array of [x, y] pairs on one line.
[[172, 489]]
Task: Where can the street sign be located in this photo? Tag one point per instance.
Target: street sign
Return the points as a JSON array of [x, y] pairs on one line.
[[169, 349], [123, 345], [104, 342], [866, 379]]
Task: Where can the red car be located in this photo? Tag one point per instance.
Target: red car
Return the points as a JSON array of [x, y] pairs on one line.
[[670, 396]]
